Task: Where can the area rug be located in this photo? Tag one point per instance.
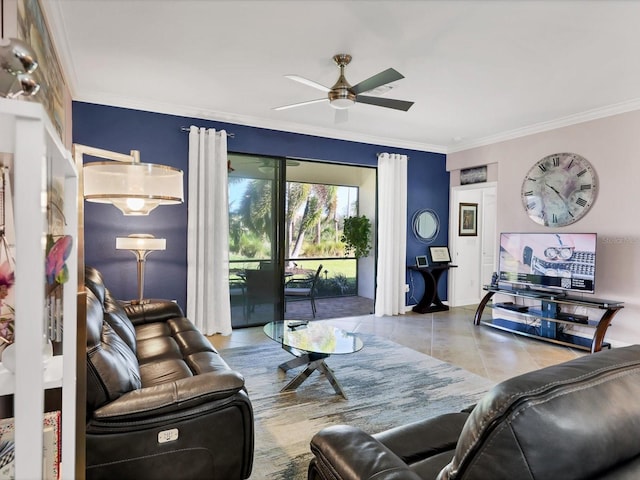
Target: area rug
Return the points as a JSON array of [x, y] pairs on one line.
[[386, 384]]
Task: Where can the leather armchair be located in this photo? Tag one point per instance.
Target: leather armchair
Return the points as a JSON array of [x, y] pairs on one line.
[[576, 420], [161, 402]]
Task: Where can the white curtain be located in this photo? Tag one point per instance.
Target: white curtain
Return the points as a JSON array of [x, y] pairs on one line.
[[392, 234], [208, 304]]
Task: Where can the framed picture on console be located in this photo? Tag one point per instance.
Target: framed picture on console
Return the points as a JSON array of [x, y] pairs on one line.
[[439, 254]]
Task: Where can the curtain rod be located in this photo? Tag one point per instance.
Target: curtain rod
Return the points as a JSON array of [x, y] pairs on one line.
[[229, 134], [380, 153]]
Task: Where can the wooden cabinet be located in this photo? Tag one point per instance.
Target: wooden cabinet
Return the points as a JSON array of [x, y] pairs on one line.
[[37, 157], [548, 316]]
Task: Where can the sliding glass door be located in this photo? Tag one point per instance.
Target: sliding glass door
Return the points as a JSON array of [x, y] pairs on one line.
[[256, 231]]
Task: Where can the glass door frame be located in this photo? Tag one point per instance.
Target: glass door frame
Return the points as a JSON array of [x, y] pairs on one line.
[[273, 286]]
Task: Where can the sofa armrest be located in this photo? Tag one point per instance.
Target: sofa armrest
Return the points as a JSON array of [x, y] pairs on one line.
[[426, 438], [152, 311], [348, 453], [171, 397]]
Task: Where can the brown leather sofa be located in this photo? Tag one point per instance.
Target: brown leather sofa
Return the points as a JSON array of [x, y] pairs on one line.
[[161, 402], [576, 420]]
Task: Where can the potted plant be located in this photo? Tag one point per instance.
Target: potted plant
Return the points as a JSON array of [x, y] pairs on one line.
[[356, 235]]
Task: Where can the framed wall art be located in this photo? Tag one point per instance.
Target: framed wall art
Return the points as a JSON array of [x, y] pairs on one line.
[[33, 29], [473, 175], [468, 220]]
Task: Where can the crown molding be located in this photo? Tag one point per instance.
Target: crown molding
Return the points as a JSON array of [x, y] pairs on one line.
[[204, 114], [58, 33], [587, 116]]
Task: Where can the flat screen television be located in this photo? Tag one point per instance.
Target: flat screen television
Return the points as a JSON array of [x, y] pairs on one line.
[[543, 261]]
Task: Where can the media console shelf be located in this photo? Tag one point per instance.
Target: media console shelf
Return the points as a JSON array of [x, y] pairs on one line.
[[546, 316]]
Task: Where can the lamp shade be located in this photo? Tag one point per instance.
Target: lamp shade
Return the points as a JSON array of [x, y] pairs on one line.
[[135, 188], [140, 241]]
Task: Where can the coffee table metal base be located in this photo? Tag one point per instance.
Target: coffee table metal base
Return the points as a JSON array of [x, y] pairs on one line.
[[313, 362]]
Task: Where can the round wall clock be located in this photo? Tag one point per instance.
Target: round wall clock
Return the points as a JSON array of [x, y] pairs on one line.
[[559, 189]]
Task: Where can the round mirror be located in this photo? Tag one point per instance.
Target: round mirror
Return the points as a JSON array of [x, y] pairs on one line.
[[426, 225]]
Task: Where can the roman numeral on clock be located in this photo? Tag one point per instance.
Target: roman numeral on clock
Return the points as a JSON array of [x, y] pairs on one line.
[[529, 193], [582, 172], [556, 161], [554, 218], [585, 186], [542, 167], [581, 201], [531, 206]]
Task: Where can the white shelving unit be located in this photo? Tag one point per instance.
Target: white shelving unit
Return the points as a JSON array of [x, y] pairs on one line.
[[27, 134]]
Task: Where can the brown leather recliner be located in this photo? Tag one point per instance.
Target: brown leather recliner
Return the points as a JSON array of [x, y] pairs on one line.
[[576, 420], [161, 402]]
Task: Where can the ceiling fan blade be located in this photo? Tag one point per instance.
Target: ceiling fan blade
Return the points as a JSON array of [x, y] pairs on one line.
[[342, 115], [385, 102], [382, 78], [294, 105], [310, 83]]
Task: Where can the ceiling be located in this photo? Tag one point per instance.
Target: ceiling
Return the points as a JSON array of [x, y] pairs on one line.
[[478, 71]]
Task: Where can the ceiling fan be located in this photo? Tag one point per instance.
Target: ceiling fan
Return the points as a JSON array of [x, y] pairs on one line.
[[342, 95]]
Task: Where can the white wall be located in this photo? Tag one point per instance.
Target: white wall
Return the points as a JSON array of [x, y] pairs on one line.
[[612, 146]]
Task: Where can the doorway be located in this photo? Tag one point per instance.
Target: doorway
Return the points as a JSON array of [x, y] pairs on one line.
[[474, 255], [256, 233], [265, 235]]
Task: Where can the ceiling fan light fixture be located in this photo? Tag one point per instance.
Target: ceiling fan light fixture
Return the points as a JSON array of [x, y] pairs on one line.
[[341, 103], [341, 97]]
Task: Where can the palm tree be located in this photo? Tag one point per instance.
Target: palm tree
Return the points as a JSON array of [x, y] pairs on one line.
[[310, 217], [256, 207], [309, 208], [297, 194]]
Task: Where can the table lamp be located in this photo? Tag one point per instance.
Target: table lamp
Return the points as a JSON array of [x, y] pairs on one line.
[[141, 245]]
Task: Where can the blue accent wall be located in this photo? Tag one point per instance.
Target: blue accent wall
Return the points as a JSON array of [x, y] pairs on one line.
[[160, 140]]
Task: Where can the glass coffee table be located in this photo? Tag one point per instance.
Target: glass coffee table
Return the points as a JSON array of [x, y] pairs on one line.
[[311, 343]]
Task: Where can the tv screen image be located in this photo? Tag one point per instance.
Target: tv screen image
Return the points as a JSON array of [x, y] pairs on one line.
[[565, 261]]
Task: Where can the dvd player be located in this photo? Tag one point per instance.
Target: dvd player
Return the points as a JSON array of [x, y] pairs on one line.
[[512, 306], [573, 317]]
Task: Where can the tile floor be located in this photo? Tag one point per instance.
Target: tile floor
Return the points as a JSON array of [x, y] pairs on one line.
[[449, 336]]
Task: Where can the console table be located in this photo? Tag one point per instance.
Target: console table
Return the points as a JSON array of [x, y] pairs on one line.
[[430, 301], [551, 318]]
